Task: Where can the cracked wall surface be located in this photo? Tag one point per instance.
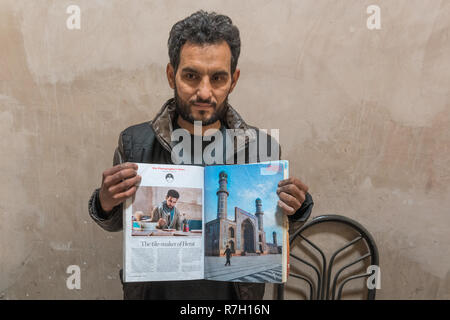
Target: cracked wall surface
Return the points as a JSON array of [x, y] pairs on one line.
[[364, 118]]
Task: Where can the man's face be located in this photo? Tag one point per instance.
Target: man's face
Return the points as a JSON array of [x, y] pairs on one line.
[[171, 202], [203, 81]]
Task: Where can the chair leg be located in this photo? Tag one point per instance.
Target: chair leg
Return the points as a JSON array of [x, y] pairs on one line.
[[280, 291]]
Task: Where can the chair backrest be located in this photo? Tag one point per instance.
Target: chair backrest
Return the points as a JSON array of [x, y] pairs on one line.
[[322, 286]]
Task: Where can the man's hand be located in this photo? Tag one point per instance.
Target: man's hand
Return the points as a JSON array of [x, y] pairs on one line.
[[292, 193], [162, 223], [118, 183]]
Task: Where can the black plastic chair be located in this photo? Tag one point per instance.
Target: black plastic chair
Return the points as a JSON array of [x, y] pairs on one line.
[[322, 288]]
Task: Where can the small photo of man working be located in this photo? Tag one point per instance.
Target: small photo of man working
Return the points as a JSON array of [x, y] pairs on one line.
[[167, 214], [169, 217]]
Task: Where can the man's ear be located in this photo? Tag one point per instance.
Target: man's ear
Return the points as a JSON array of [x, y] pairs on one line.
[[170, 72], [235, 78]]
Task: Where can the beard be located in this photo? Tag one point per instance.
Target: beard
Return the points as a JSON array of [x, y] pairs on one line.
[[184, 109]]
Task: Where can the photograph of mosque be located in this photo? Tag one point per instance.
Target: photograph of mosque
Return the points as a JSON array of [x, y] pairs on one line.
[[244, 235], [243, 229]]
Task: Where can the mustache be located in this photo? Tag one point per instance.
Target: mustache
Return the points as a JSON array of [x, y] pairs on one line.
[[194, 101]]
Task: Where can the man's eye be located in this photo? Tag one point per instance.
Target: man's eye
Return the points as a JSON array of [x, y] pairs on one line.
[[218, 78], [190, 76]]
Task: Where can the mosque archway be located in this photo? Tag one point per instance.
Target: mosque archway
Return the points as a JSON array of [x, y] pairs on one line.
[[248, 236]]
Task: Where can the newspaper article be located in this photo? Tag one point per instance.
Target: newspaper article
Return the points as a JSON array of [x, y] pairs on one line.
[[163, 225]]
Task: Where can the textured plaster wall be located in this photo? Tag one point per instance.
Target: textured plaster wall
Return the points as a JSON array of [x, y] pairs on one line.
[[364, 118]]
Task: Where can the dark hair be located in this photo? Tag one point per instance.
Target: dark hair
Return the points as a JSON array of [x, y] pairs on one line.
[[204, 28], [173, 193]]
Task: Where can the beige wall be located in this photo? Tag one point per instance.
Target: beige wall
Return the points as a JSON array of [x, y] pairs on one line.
[[364, 118]]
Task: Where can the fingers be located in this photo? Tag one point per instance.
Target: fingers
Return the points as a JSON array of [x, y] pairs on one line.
[[290, 201], [119, 167], [293, 191], [287, 209], [118, 183], [118, 177], [125, 184], [124, 195], [294, 181]]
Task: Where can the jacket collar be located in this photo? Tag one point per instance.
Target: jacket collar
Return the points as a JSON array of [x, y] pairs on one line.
[[162, 125]]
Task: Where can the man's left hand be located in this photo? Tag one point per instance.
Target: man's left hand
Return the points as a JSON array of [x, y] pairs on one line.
[[292, 193]]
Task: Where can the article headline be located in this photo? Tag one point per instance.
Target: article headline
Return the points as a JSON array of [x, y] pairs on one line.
[[169, 243]]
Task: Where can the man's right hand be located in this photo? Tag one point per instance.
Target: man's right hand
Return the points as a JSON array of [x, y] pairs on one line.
[[161, 223], [118, 184]]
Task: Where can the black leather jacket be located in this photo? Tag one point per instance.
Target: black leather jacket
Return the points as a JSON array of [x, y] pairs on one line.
[[150, 142]]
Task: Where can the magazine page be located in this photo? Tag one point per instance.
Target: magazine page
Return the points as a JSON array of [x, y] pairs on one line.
[[245, 230], [163, 238]]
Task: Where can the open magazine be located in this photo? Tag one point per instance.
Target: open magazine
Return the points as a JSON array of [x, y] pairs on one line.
[[217, 222]]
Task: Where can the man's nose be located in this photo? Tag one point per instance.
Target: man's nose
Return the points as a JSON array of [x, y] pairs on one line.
[[204, 91]]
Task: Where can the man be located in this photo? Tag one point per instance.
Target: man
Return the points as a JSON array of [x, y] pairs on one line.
[[166, 214], [203, 50], [169, 178], [228, 256]]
